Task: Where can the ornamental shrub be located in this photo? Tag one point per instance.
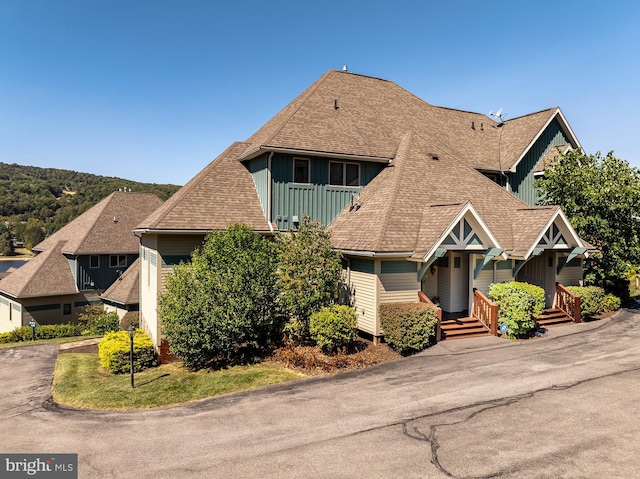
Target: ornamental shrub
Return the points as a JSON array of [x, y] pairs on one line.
[[594, 301], [95, 321], [519, 305], [223, 304], [113, 352], [408, 327], [309, 270], [44, 331], [333, 327]]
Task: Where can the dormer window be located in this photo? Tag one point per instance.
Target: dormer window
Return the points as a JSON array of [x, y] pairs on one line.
[[300, 170], [344, 174]]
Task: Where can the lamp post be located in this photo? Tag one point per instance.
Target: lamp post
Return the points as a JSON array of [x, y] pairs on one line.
[[132, 332]]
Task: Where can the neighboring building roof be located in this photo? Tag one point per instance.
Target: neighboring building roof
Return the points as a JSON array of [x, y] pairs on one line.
[[125, 290], [45, 275], [221, 194], [107, 227], [551, 157], [411, 203]]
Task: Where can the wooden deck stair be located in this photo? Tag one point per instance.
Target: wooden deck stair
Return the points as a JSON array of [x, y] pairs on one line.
[[553, 317], [463, 328]]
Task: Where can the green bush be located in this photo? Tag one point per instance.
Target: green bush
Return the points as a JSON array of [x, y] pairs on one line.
[[408, 327], [333, 327], [95, 321], [611, 303], [519, 305], [594, 301], [113, 352], [45, 331]]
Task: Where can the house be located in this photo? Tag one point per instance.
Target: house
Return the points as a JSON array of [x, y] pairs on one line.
[[76, 264], [418, 198], [123, 297]]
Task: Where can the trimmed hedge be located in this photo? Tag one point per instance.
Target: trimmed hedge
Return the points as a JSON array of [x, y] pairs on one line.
[[45, 331], [594, 301], [520, 304], [408, 327], [333, 327], [113, 352]]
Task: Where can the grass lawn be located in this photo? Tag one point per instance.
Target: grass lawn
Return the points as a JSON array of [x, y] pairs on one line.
[[80, 382], [20, 344]]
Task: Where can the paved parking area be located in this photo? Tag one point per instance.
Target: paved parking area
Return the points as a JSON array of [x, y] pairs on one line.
[[561, 406]]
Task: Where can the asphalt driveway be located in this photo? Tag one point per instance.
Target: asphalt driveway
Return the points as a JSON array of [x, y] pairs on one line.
[[561, 406]]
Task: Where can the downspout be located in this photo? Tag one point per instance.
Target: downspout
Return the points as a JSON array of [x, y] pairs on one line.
[[269, 199]]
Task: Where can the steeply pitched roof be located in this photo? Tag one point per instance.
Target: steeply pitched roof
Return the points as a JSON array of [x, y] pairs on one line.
[[221, 194], [107, 227], [408, 206], [126, 289], [349, 114], [45, 275]]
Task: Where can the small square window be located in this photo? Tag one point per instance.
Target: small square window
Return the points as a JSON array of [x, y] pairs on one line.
[[118, 260], [66, 309], [300, 171], [336, 176], [352, 174], [94, 261], [456, 261]]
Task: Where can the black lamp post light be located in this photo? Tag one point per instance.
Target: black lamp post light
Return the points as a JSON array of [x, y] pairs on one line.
[[132, 333]]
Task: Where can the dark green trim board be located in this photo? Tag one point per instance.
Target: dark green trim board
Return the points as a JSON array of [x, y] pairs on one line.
[[169, 261], [362, 265], [41, 307], [392, 267]]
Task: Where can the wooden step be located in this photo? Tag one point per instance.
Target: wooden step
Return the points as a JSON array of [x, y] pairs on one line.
[[553, 317], [463, 328]]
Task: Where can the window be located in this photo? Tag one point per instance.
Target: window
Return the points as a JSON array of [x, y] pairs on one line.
[[94, 261], [118, 260], [300, 170], [66, 309], [344, 174]]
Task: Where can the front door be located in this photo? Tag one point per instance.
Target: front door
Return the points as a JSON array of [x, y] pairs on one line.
[[541, 272]]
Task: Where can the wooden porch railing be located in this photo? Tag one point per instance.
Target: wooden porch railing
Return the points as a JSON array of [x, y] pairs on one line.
[[486, 311], [423, 298], [568, 302]]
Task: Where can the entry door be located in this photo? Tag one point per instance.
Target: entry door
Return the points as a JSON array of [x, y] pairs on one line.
[[459, 282], [540, 271]]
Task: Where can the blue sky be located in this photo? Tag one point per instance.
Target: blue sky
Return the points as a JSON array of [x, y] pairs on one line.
[[154, 90]]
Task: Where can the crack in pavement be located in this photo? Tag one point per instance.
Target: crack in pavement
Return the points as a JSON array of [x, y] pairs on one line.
[[432, 438]]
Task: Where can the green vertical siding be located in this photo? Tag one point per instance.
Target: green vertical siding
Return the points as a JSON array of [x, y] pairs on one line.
[[522, 180], [258, 168], [317, 199], [101, 277]]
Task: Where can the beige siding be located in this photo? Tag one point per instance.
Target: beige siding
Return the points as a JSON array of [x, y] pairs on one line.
[[149, 288], [398, 287], [444, 290], [570, 276], [430, 283], [504, 275], [175, 245], [483, 281], [365, 302], [10, 315]]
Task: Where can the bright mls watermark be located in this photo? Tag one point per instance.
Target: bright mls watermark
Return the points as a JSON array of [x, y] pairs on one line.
[[50, 466]]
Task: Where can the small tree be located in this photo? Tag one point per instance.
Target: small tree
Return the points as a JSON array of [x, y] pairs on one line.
[[601, 198], [223, 300], [309, 271]]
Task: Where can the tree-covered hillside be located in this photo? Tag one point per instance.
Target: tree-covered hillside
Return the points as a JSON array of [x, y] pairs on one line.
[[35, 202]]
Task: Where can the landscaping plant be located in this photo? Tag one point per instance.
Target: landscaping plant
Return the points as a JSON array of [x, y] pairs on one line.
[[594, 301], [519, 305], [221, 304], [114, 349], [408, 327], [308, 274], [334, 327]]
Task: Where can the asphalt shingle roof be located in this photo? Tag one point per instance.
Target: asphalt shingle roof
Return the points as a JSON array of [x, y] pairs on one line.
[[125, 290]]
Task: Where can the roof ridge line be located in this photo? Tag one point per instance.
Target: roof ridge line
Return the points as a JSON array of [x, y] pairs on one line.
[[309, 92], [185, 189], [403, 146], [107, 200]]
